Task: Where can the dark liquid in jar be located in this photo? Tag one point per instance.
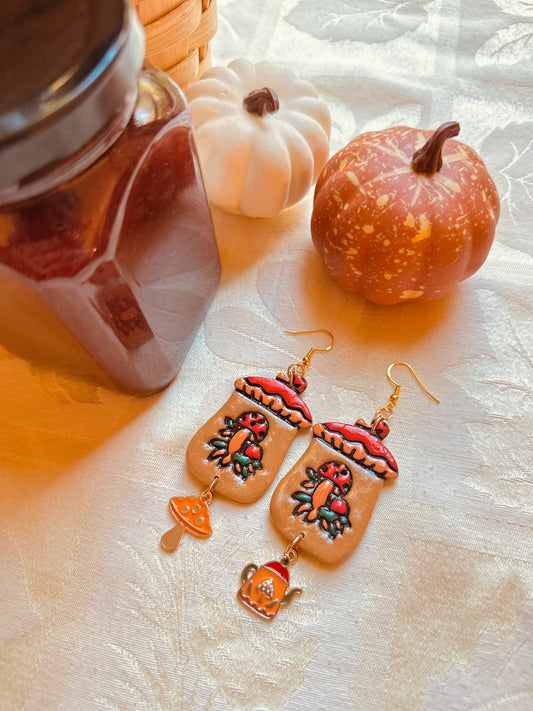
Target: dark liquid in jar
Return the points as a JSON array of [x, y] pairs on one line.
[[125, 252]]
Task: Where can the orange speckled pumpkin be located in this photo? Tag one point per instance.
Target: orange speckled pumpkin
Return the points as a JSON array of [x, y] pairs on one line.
[[404, 214]]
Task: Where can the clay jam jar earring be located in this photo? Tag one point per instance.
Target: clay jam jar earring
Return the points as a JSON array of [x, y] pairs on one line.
[[102, 207], [239, 450], [324, 503]]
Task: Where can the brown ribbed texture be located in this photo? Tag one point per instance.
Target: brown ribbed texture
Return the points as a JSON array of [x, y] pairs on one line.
[[178, 34]]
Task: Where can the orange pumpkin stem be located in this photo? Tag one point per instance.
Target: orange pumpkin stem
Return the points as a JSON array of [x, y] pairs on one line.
[[261, 101], [428, 159]]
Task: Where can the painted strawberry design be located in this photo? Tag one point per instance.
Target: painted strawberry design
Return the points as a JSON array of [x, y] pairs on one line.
[[321, 498], [237, 444]]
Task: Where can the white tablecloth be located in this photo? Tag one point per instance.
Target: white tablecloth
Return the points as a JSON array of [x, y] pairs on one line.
[[434, 610]]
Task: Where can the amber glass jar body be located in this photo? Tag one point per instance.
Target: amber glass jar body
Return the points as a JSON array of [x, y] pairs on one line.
[[118, 239]]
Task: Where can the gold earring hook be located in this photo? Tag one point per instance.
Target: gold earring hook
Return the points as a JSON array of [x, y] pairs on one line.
[[415, 376], [386, 412], [302, 367]]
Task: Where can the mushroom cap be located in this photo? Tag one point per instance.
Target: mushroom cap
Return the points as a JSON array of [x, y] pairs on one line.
[[256, 422], [192, 513], [338, 473]]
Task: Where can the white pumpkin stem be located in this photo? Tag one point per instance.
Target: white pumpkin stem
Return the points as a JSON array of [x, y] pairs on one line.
[[428, 159], [261, 101]]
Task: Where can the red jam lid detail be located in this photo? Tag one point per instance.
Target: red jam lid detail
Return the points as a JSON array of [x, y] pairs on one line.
[[382, 429], [279, 569], [355, 434], [275, 387], [299, 383]]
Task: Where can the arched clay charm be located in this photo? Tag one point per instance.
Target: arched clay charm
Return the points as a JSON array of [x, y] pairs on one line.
[[330, 493], [245, 442]]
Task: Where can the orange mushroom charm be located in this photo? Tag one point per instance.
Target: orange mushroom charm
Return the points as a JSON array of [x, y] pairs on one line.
[[191, 514], [404, 214]]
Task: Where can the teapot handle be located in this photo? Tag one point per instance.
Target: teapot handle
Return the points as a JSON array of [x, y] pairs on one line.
[[247, 572]]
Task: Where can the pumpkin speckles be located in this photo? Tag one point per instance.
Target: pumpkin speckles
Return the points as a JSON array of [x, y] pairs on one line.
[[408, 294], [424, 231], [413, 235]]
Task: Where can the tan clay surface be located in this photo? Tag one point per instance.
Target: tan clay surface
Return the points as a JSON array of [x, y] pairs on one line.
[[361, 499], [275, 445]]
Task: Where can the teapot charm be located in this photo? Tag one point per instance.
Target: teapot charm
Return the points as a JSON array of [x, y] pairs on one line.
[[265, 589]]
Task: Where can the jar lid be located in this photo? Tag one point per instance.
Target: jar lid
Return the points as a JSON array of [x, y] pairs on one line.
[[66, 68]]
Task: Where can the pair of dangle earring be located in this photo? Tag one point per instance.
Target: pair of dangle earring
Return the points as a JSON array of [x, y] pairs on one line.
[[238, 452], [324, 503]]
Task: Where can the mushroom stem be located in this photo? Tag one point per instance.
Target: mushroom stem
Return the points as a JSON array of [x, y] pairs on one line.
[[235, 443], [261, 101], [320, 496], [428, 159], [171, 539]]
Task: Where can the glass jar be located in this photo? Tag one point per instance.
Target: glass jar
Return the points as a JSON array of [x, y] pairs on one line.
[[102, 207]]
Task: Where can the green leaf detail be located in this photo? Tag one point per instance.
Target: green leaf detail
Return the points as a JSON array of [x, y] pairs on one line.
[[242, 459], [311, 473], [219, 443], [302, 496], [229, 422], [332, 529], [327, 514]]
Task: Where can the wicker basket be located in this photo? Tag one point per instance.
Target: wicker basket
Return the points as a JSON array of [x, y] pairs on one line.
[[177, 35]]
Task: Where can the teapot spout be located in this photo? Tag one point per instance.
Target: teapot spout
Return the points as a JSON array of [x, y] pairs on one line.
[[286, 599]]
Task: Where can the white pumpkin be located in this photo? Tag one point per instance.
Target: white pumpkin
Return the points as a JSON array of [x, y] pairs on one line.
[[262, 136]]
